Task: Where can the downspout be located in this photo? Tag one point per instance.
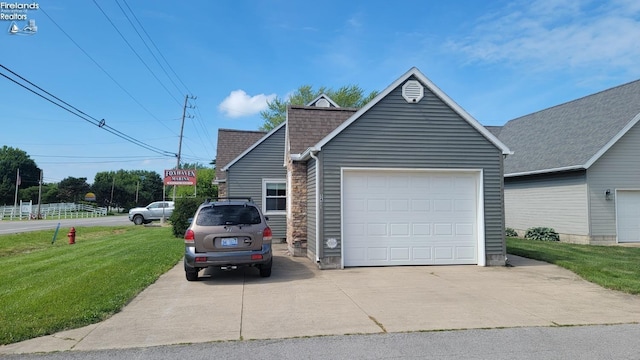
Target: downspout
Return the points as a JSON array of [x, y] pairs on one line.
[[318, 178]]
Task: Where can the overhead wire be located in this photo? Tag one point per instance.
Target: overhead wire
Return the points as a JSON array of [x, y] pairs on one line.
[[79, 113], [104, 71], [136, 53], [147, 46], [156, 47]]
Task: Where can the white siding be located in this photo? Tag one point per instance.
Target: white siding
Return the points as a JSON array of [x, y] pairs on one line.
[[559, 202]]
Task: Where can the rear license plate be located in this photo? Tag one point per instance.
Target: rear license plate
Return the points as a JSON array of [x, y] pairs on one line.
[[229, 242]]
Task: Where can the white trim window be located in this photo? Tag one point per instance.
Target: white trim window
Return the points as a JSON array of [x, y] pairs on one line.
[[274, 196]]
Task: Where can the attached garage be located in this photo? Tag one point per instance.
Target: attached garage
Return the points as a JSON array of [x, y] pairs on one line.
[[411, 217], [409, 179], [628, 215]]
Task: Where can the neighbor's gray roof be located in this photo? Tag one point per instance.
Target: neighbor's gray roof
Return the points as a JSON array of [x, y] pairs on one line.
[[571, 135], [309, 124]]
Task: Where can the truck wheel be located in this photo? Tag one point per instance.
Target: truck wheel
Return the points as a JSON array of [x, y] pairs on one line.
[[138, 220]]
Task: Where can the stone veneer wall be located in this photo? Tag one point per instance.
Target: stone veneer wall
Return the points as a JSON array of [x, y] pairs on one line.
[[222, 189], [297, 215]]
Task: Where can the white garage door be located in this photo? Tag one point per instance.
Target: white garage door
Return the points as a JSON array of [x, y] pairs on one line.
[[628, 215], [409, 217]]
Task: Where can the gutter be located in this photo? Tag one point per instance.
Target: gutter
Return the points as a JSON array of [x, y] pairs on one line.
[[313, 153]]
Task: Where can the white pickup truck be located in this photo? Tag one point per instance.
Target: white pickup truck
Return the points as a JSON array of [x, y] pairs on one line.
[[154, 211]]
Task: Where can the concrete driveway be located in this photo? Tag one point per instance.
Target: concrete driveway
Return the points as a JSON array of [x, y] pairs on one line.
[[299, 300]]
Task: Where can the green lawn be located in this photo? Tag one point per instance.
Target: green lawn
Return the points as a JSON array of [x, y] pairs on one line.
[[46, 288], [612, 267]]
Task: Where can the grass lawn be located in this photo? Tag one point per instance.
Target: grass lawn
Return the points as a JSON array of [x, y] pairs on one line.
[[46, 288], [612, 267]]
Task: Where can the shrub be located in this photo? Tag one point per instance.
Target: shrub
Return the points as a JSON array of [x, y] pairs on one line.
[[509, 232], [184, 210], [542, 234]]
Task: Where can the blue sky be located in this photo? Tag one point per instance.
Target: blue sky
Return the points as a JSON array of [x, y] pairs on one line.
[[497, 59]]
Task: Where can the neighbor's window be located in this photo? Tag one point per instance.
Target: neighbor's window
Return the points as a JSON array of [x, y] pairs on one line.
[[274, 196]]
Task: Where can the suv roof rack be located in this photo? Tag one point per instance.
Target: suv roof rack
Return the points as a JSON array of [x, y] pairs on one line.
[[228, 198]]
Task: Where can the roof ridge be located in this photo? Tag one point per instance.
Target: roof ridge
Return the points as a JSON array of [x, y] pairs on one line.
[[239, 130], [575, 100]]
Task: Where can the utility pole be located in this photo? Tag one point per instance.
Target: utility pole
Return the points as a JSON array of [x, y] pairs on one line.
[[184, 115]]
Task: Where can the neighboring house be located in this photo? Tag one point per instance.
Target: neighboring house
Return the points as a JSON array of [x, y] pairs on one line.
[[258, 172], [409, 179], [231, 143], [576, 168]]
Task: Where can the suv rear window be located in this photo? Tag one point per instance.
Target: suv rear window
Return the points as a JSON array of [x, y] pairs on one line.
[[228, 215]]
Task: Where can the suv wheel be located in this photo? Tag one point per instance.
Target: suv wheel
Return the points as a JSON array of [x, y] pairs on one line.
[[265, 269], [138, 220], [191, 273]]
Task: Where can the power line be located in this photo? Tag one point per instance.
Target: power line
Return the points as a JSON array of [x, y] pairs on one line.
[[135, 52], [104, 71], [154, 45], [77, 112], [146, 45]]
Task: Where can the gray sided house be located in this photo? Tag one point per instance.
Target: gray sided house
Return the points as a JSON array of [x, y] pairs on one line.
[[576, 168], [258, 173], [409, 179], [231, 143]]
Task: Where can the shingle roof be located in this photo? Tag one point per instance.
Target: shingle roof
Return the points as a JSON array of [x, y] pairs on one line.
[[570, 135], [306, 125], [232, 143]]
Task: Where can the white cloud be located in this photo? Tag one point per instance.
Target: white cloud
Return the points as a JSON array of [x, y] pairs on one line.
[[557, 34], [239, 104]]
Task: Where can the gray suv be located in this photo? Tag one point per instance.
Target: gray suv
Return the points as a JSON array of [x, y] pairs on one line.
[[227, 233]]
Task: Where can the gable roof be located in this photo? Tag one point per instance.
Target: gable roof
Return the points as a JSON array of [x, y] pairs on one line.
[[413, 72], [323, 96], [231, 143], [573, 135], [306, 125], [253, 146]]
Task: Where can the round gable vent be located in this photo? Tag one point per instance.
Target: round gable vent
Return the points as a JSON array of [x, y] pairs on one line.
[[412, 91], [323, 103]]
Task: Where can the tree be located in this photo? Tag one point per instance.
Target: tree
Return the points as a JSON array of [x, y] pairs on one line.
[[73, 189], [124, 185], [204, 185], [12, 159], [346, 96]]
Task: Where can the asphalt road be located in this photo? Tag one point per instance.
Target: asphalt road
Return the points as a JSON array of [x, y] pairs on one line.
[[577, 342], [20, 226]]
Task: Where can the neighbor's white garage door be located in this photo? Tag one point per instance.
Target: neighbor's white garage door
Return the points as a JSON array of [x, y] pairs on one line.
[[628, 215], [409, 217]]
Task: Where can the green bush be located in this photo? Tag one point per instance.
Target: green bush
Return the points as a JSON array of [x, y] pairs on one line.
[[542, 234], [509, 232], [184, 210]]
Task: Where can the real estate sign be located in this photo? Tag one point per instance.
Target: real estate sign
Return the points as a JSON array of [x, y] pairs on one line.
[[180, 177]]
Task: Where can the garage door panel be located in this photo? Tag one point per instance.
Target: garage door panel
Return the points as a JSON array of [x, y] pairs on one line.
[[400, 254], [442, 229], [421, 229], [420, 205], [399, 230], [431, 220], [464, 229], [422, 254], [377, 229]]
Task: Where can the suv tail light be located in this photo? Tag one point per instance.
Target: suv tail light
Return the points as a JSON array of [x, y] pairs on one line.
[[189, 237], [267, 234]]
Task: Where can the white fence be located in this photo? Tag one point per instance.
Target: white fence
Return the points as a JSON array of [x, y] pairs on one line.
[[28, 211]]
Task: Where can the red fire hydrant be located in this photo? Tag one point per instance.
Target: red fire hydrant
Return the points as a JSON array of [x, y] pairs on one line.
[[72, 236]]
